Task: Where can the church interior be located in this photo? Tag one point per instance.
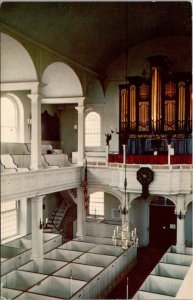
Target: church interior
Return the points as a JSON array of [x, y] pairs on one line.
[[96, 150]]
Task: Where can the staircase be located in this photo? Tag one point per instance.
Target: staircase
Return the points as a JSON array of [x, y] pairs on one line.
[[71, 213], [61, 220], [167, 277]]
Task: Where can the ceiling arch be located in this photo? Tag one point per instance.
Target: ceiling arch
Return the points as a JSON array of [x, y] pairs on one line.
[[93, 33]]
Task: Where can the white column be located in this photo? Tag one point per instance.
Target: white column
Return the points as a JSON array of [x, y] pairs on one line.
[[169, 146], [23, 217], [81, 147], [81, 215], [180, 243], [35, 131], [37, 233], [124, 154]]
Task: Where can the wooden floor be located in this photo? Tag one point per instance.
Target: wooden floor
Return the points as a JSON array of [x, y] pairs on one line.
[[147, 259]]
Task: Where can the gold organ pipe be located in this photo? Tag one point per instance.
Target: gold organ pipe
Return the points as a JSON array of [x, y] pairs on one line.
[[124, 107], [181, 105], [133, 107], [156, 98]]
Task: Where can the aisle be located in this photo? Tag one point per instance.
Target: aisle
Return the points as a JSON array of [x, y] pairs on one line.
[[147, 259]]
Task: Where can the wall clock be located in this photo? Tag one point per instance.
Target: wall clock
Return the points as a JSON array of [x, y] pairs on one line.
[[145, 176]]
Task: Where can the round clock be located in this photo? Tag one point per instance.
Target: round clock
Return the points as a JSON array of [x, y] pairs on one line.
[[145, 176]]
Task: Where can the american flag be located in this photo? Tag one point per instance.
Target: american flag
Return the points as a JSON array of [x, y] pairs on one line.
[[85, 189]]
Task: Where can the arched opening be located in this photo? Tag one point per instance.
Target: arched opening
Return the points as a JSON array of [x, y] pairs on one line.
[[92, 130], [162, 223], [12, 119]]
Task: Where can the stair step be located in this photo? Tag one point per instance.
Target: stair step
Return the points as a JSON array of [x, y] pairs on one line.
[[48, 230]]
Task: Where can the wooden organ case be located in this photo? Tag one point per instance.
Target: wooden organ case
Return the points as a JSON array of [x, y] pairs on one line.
[[156, 109]]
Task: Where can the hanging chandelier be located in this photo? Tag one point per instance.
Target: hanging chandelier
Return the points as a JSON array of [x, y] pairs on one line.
[[124, 238]]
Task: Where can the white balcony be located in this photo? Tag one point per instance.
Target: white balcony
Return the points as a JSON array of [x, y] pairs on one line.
[[168, 180]]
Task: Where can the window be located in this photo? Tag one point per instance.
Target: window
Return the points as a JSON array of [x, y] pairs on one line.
[[92, 130], [96, 204], [12, 119], [8, 219]]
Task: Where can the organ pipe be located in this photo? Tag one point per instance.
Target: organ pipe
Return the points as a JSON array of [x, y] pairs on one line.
[[156, 99], [181, 105], [132, 107]]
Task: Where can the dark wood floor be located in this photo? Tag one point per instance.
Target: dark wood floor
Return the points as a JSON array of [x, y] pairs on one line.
[[147, 259]]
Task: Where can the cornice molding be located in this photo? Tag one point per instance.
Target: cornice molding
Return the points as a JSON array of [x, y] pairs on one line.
[[63, 100]]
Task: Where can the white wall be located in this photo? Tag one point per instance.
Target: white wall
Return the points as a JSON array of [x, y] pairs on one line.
[[110, 202], [69, 136], [139, 219]]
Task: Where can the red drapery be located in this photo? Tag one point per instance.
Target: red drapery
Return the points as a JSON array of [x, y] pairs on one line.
[[150, 159]]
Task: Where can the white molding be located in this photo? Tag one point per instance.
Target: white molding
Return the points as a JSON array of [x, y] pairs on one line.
[[19, 86], [63, 100]]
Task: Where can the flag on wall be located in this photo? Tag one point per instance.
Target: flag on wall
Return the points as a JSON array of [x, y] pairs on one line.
[[85, 189]]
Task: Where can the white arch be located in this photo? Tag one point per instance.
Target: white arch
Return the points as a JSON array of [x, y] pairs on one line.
[[61, 81], [151, 197], [16, 63], [188, 200], [94, 91], [115, 193], [19, 116]]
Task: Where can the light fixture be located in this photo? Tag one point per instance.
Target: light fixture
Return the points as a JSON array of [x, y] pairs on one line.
[[42, 225], [29, 120], [124, 239], [180, 215], [123, 209]]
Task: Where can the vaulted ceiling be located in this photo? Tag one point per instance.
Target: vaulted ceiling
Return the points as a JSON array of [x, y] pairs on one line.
[[93, 33]]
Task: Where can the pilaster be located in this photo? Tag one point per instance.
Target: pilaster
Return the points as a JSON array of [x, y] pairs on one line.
[[37, 233], [35, 131], [81, 139], [81, 215], [180, 207]]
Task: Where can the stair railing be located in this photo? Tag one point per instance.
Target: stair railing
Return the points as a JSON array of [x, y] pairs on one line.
[[60, 231]]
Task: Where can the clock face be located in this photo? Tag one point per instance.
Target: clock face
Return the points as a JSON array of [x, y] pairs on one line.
[[145, 175]]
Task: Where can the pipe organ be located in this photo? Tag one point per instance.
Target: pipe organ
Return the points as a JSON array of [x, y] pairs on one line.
[[160, 105]]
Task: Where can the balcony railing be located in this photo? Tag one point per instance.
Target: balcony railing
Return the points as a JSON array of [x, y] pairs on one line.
[[150, 159]]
